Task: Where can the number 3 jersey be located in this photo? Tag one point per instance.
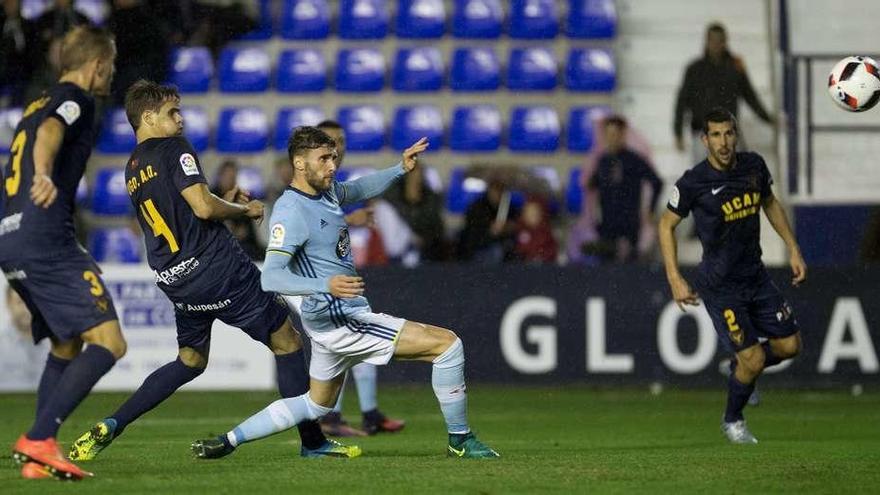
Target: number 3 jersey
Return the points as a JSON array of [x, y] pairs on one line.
[[28, 231], [181, 247]]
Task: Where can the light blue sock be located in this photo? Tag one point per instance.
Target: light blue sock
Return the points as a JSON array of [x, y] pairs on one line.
[[447, 378], [365, 380], [338, 407], [280, 415]]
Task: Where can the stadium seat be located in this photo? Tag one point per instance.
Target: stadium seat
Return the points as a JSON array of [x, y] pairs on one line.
[[363, 19], [82, 192], [360, 70], [574, 194], [244, 70], [477, 19], [432, 177], [96, 10], [301, 71], [9, 119], [364, 127], [591, 19], [475, 128], [117, 136], [534, 128], [411, 123], [191, 69], [242, 130], [463, 190], [33, 9], [533, 19], [251, 180], [290, 118], [475, 69], [117, 245], [110, 196], [418, 69], [532, 69], [264, 27], [590, 69], [196, 127], [420, 19], [305, 19], [581, 126]]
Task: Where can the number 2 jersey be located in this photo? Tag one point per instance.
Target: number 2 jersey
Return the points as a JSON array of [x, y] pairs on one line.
[[28, 231], [183, 250]]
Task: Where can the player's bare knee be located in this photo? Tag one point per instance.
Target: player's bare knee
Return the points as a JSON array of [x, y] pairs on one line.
[[445, 339], [193, 358], [67, 350], [285, 340], [109, 336], [788, 347]]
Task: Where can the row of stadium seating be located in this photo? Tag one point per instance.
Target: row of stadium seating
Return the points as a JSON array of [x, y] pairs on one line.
[[535, 128], [248, 70]]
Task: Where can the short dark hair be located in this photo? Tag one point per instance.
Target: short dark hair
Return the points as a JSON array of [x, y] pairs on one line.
[[307, 138], [615, 119], [718, 115], [147, 95], [716, 27], [329, 124]]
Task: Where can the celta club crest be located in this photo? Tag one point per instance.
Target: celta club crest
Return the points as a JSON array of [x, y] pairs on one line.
[[343, 245]]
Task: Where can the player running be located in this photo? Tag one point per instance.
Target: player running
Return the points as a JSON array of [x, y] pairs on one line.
[[309, 254], [201, 267], [726, 192]]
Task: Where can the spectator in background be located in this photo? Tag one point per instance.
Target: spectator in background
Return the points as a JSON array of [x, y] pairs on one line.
[[422, 210], [141, 46], [242, 228], [18, 56], [488, 226], [617, 183], [534, 237], [717, 79], [210, 23], [50, 29]]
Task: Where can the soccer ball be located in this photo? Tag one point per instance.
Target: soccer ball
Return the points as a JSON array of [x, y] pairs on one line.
[[854, 84]]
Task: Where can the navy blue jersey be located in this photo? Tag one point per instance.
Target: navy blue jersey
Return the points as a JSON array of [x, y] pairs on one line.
[[28, 231], [180, 246], [619, 179], [726, 207]]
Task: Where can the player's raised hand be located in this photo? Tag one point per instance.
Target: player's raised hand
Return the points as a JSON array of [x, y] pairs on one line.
[[411, 154], [237, 195], [682, 293], [255, 210], [346, 287], [798, 268], [43, 191]]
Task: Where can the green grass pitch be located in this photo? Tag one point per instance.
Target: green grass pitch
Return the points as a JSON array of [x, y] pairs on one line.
[[553, 440]]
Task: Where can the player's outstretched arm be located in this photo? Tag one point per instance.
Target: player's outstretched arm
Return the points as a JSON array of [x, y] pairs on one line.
[[50, 135], [779, 220], [681, 291], [278, 278], [372, 185], [207, 206]]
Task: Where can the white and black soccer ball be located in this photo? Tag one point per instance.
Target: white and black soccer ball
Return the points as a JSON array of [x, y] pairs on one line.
[[854, 84]]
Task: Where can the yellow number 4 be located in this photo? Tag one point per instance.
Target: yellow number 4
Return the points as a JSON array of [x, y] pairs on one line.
[[13, 182], [157, 223]]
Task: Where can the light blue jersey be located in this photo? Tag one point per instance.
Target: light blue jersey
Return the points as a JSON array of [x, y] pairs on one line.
[[309, 243]]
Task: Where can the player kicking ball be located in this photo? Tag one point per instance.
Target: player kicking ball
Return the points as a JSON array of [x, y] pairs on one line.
[[726, 193], [309, 254]]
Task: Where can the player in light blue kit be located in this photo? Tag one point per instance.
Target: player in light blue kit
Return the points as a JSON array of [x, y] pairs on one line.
[[309, 254]]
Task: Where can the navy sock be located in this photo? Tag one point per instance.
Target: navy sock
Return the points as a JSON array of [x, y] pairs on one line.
[[52, 372], [769, 358], [737, 397], [75, 384], [155, 389], [293, 381]]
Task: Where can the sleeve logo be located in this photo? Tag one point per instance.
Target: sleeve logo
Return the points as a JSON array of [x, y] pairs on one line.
[[276, 238], [188, 163], [674, 197], [69, 111]]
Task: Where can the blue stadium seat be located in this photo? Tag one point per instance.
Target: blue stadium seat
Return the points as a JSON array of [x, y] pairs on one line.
[[581, 126], [110, 196], [590, 69], [463, 190], [117, 245], [532, 69], [591, 19], [418, 69], [475, 69], [301, 71], [191, 69], [475, 128], [363, 19], [305, 19], [290, 118], [360, 70], [420, 19], [432, 177], [533, 19], [117, 136], [264, 27], [477, 19], [411, 123], [534, 128], [251, 180], [32, 9], [196, 127], [242, 130], [574, 194], [244, 70], [82, 192], [96, 10], [9, 119], [364, 127]]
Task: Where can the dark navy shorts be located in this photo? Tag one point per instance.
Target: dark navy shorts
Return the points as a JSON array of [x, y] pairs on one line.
[[234, 296], [743, 315], [65, 294]]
